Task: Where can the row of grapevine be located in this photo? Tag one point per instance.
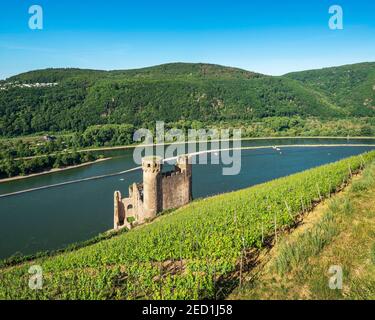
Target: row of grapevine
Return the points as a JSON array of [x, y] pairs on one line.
[[188, 254]]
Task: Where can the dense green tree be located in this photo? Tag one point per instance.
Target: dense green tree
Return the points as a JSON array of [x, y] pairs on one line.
[[77, 99]]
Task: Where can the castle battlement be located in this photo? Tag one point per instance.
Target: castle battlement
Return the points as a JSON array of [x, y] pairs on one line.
[[159, 191], [171, 174]]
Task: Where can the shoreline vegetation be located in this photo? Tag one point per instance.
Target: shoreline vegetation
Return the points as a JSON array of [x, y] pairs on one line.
[[132, 146], [199, 251], [22, 167], [54, 170]]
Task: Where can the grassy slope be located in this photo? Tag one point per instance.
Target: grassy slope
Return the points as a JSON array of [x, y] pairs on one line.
[[341, 233], [194, 252]]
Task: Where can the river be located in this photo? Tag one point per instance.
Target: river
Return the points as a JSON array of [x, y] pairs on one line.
[[52, 218]]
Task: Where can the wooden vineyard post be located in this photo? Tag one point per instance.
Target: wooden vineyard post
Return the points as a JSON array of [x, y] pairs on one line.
[[161, 278], [330, 189], [135, 286], [262, 232], [289, 211], [215, 281], [318, 188], [275, 219], [362, 162], [235, 218], [241, 263], [303, 205], [181, 250]]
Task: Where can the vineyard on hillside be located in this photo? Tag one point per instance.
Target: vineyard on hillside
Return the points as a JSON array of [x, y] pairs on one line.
[[195, 252]]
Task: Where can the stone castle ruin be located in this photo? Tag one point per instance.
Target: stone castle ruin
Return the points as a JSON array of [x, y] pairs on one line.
[[159, 191]]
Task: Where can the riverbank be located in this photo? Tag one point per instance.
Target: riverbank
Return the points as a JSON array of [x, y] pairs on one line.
[[53, 170], [133, 146], [173, 158]]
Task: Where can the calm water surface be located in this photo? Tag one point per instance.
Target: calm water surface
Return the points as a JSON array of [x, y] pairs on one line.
[[53, 218]]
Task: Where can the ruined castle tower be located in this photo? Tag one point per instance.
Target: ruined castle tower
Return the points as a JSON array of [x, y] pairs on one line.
[[152, 184], [119, 210], [184, 164], [159, 191]]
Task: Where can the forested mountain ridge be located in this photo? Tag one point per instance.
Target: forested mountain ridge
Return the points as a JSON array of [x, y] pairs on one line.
[[164, 71], [351, 86], [179, 91]]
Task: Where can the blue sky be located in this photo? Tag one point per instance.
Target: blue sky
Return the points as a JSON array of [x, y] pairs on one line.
[[272, 37]]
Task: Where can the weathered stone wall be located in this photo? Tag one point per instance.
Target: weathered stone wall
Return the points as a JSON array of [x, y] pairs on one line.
[[119, 211], [159, 191], [175, 190], [131, 207], [134, 204]]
